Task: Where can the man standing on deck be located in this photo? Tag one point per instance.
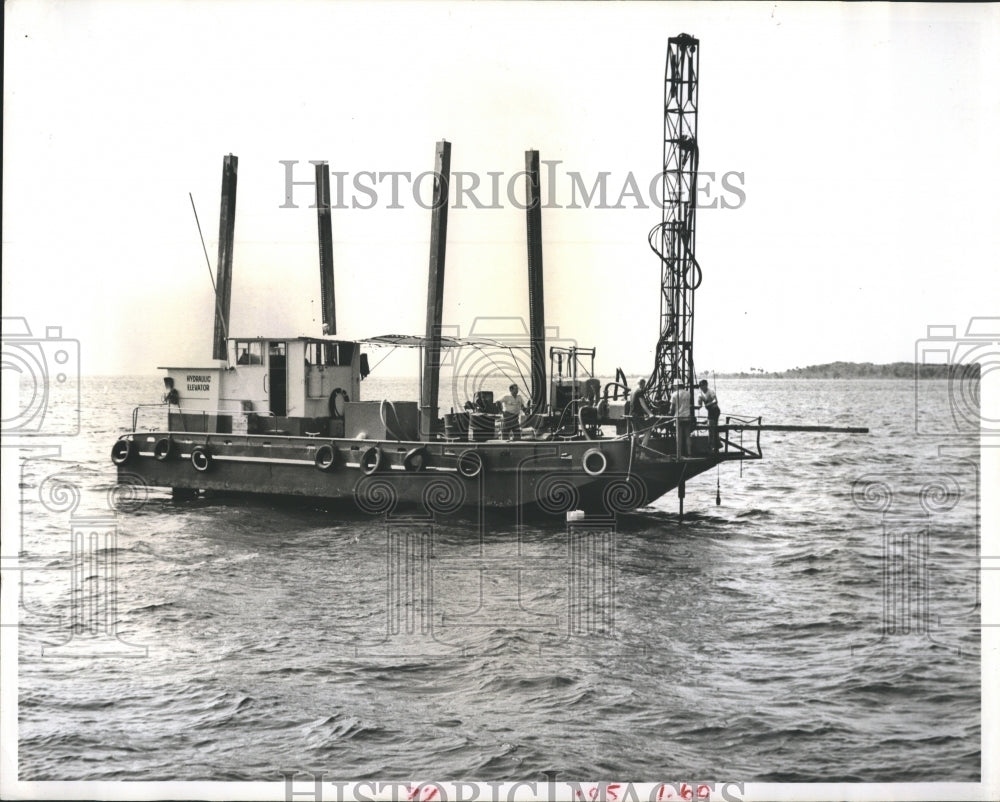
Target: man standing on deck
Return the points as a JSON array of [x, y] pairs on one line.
[[710, 401], [513, 408], [680, 408], [640, 411]]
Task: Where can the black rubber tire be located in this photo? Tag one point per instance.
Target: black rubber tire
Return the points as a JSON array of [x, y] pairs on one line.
[[415, 459], [121, 452], [589, 468], [326, 457], [371, 460], [201, 459], [470, 464]]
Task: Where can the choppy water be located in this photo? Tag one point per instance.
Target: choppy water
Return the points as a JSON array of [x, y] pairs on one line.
[[814, 627]]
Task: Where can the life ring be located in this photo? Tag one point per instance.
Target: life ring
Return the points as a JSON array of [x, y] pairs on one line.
[[415, 459], [121, 452], [335, 411], [201, 459], [470, 464], [371, 460], [594, 462], [326, 457], [164, 449]]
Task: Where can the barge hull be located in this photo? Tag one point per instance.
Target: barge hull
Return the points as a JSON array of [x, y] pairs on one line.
[[548, 477]]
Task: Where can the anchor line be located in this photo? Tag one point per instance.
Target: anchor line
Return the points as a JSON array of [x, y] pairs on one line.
[[383, 359], [208, 264], [505, 374]]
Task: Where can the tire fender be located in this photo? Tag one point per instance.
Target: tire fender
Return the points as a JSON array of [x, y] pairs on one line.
[[470, 464], [326, 457], [201, 459], [371, 460], [121, 452], [164, 449], [594, 462], [415, 459]]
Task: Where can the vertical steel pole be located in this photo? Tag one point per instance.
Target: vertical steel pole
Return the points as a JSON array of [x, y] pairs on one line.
[[325, 248], [224, 270], [536, 286], [435, 293]]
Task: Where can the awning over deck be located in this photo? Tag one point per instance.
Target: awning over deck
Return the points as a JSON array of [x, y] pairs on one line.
[[413, 341]]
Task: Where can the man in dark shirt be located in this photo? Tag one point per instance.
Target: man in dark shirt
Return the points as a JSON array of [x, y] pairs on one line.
[[639, 410]]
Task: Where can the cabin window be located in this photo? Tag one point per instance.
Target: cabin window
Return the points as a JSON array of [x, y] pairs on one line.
[[314, 354], [330, 354], [249, 352]]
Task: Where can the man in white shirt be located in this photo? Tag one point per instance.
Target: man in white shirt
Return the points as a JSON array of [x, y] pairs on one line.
[[710, 401], [680, 407], [514, 407]]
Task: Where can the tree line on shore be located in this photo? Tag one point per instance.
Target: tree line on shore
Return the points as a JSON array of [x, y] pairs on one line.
[[863, 370]]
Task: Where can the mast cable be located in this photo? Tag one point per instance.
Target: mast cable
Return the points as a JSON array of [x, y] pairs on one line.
[[208, 263]]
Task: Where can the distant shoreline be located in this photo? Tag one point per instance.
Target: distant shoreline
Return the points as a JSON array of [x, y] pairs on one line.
[[863, 370]]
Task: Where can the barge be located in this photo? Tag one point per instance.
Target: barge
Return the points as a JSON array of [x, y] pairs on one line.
[[287, 416]]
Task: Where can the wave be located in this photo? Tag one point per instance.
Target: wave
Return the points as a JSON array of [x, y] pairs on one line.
[[755, 514], [330, 732]]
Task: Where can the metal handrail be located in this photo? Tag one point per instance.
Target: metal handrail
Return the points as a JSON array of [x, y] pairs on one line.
[[730, 419], [135, 412], [203, 412]]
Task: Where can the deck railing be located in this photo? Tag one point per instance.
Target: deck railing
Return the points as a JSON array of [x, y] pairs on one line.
[[205, 414], [750, 446]]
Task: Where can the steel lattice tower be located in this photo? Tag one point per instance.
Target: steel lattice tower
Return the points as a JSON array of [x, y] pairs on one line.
[[673, 239]]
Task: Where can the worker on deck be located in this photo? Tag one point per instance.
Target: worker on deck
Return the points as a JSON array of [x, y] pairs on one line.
[[710, 401], [680, 408], [513, 407], [640, 410], [171, 396]]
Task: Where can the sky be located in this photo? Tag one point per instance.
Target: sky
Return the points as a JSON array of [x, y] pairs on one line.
[[858, 142]]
